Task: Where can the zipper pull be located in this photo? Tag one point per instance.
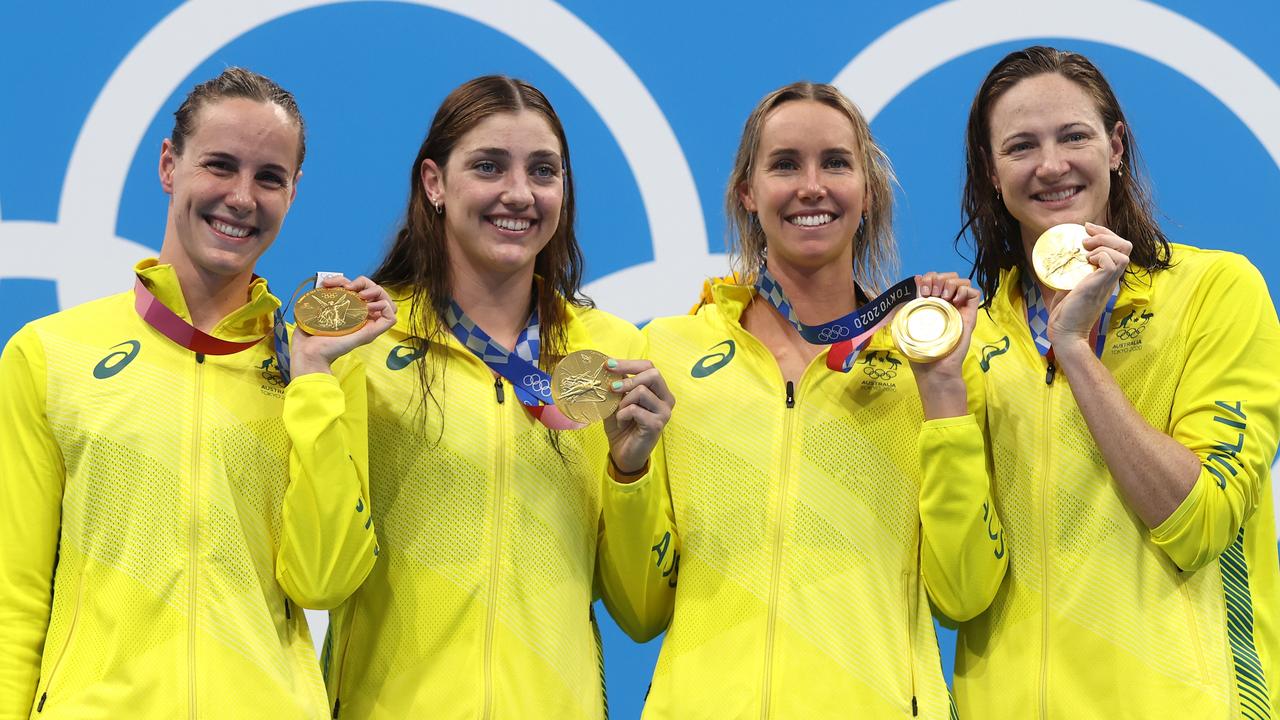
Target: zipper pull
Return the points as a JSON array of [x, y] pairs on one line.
[[200, 358], [1049, 373], [497, 390], [791, 394], [287, 615], [336, 704], [915, 710], [43, 696]]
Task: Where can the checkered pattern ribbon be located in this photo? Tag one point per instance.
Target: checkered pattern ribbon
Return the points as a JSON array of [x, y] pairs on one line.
[[846, 335], [1038, 320], [280, 337], [532, 385]]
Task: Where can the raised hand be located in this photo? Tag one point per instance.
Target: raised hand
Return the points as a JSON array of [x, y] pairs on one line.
[[1072, 313], [941, 383], [313, 353], [644, 410]]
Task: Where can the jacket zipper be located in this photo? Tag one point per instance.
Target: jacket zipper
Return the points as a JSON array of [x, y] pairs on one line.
[[788, 427], [75, 616], [194, 539], [342, 661], [1044, 541], [911, 647], [498, 503]]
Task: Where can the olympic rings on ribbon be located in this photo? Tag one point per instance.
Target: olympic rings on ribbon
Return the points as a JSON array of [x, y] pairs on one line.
[[540, 385], [833, 333]]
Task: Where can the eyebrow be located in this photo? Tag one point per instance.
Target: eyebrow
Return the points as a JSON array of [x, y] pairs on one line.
[[827, 151], [504, 153], [219, 155], [1063, 128]]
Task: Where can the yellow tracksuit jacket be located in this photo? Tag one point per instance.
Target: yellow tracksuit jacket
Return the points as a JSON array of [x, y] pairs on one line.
[[150, 535], [1100, 617], [794, 537], [479, 605]]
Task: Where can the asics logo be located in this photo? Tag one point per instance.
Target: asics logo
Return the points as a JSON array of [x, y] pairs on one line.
[[833, 333], [716, 360], [116, 361], [539, 384], [402, 356], [992, 351]]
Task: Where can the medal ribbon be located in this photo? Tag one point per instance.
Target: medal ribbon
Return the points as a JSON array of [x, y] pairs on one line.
[[846, 335], [532, 385], [173, 326], [1038, 320]]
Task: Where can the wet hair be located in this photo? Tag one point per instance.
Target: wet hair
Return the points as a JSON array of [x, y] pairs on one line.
[[994, 232], [874, 251], [418, 261], [235, 82]]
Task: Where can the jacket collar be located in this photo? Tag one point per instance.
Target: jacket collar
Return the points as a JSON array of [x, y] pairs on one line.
[[732, 298], [252, 320], [576, 333], [1009, 303]]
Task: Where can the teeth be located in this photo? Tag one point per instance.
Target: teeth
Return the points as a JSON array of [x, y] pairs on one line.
[[515, 224], [811, 220], [1060, 195], [231, 230]]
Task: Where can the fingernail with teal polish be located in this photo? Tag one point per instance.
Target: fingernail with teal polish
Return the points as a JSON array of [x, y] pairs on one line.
[[612, 363], [617, 385]]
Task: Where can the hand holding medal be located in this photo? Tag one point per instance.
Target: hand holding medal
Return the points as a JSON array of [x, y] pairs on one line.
[[335, 317], [1084, 264], [939, 329], [644, 407]]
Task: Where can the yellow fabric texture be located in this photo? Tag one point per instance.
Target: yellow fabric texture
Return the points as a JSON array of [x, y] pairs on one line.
[[480, 603], [1100, 617], [783, 548], [151, 492]]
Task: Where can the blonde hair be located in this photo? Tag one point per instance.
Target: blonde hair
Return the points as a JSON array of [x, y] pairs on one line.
[[875, 256]]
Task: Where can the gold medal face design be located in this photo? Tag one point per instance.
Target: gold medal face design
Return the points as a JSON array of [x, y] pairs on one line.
[[927, 329], [1059, 257], [330, 311], [580, 386]]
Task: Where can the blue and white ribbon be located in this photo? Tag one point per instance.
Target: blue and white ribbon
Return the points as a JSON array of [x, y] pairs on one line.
[[856, 327], [1038, 319]]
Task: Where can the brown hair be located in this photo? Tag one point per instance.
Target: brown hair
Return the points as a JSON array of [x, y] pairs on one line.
[[418, 260], [235, 82], [994, 231], [874, 252]]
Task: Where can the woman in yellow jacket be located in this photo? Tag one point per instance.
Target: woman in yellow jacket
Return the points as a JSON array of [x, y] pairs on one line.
[[164, 499], [810, 502], [1132, 423], [487, 504]]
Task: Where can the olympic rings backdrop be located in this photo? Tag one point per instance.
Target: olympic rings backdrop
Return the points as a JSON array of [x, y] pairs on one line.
[[653, 96]]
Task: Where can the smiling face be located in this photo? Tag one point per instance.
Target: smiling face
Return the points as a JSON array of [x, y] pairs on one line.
[[1052, 155], [229, 190], [501, 190], [807, 188]]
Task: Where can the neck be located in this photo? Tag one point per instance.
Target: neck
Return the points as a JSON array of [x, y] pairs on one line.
[[498, 303], [817, 295], [209, 297]]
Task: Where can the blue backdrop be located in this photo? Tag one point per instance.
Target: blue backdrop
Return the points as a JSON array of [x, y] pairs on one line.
[[653, 97]]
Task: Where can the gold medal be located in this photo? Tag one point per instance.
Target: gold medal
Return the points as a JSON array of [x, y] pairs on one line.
[[927, 329], [1059, 257], [580, 386], [330, 311]]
